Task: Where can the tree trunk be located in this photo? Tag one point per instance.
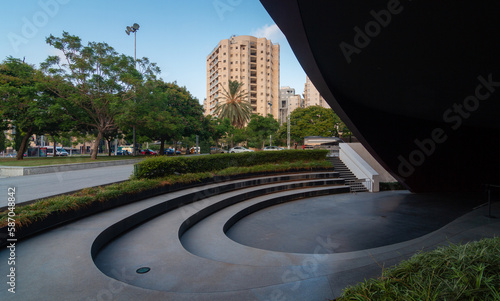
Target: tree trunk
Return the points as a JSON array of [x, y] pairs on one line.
[[54, 153], [109, 147], [24, 146], [95, 146], [162, 147]]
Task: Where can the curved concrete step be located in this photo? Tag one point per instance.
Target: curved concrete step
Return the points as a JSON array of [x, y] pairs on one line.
[[169, 260], [60, 264]]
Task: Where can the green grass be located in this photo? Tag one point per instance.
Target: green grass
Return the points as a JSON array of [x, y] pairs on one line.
[[30, 161], [27, 214], [458, 272]]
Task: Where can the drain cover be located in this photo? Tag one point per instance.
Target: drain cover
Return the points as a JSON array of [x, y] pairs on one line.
[[143, 270]]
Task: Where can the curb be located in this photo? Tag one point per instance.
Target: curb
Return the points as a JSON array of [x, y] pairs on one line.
[[16, 171]]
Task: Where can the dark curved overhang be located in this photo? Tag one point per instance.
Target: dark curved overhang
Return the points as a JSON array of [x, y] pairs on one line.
[[418, 82]]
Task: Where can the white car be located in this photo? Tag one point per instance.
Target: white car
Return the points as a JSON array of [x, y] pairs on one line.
[[239, 149], [271, 148], [61, 152]]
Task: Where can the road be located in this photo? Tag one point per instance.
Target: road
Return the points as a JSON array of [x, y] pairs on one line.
[[39, 186]]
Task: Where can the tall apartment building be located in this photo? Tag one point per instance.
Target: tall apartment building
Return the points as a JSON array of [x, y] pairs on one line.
[[312, 96], [255, 62], [289, 101]]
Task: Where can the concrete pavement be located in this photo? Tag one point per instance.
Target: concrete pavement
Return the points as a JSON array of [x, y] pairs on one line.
[[34, 187], [82, 261]]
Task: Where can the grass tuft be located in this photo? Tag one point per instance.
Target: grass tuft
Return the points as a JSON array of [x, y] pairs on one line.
[[458, 272]]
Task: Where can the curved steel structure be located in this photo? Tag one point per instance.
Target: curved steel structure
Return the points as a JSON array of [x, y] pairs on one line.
[[418, 82]]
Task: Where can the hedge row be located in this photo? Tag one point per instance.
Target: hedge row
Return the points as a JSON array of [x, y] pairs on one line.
[[156, 167]]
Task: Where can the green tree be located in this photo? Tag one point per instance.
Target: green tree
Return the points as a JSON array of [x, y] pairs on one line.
[[94, 81], [165, 112], [235, 105], [312, 121], [26, 106], [260, 128]]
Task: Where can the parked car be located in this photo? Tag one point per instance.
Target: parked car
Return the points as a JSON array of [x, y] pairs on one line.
[[239, 149], [123, 153], [216, 150], [271, 148], [61, 152], [149, 152], [170, 151]]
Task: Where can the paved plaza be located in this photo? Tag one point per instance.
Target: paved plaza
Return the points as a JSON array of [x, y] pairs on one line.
[[299, 238]]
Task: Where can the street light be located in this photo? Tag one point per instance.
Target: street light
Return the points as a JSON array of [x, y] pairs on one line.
[[133, 29], [288, 123]]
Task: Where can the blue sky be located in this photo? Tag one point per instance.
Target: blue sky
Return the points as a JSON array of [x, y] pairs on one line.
[[177, 35]]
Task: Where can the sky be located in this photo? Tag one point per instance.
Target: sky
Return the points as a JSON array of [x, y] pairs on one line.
[[177, 35]]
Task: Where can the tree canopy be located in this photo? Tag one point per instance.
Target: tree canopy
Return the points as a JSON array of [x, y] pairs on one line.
[[94, 81], [313, 121], [164, 112], [27, 107], [260, 128]]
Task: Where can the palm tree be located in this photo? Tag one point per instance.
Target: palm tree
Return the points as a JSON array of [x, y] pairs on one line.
[[235, 105]]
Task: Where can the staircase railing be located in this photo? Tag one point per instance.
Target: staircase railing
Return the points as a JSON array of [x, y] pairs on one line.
[[359, 167], [367, 183], [489, 188]]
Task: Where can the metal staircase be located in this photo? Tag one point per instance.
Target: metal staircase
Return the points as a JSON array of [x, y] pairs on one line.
[[351, 180]]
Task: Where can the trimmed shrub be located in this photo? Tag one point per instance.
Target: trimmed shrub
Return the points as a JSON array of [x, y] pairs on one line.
[[164, 166], [457, 272]]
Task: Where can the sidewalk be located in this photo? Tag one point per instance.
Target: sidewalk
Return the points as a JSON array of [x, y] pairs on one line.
[[29, 188]]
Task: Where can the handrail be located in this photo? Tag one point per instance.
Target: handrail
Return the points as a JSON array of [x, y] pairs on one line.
[[359, 167], [488, 189]]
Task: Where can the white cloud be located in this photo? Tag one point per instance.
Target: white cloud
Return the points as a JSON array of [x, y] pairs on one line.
[[270, 32]]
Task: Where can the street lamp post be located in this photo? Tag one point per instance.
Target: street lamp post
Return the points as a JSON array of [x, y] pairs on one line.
[[288, 124], [133, 29]]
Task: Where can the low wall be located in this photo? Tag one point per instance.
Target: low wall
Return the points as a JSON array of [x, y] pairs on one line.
[[15, 171]]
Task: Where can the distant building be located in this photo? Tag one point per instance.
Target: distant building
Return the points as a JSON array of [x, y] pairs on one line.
[[255, 62], [312, 96], [289, 101]]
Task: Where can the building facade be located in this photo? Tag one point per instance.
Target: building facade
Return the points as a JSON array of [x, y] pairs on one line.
[[255, 62], [289, 101], [312, 96]]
